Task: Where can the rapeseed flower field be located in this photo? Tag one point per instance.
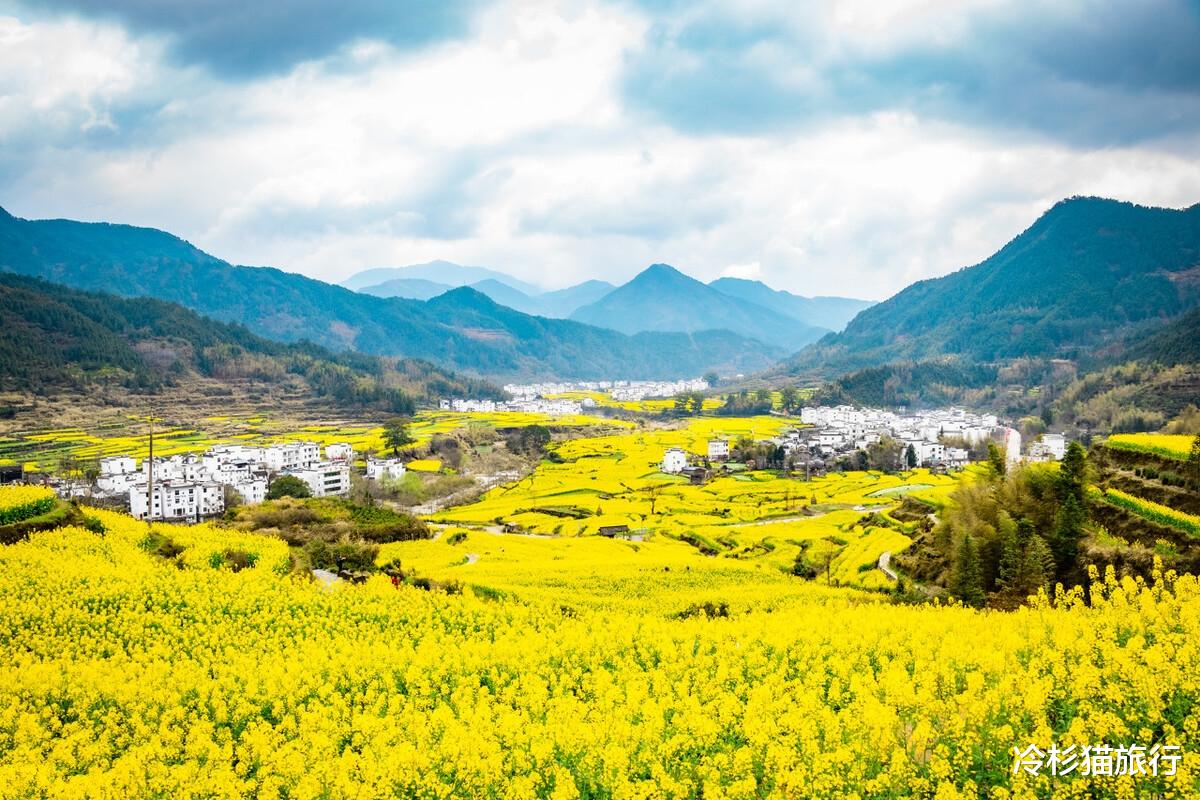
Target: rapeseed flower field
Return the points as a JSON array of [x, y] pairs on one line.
[[42, 450], [1168, 445], [1148, 509], [20, 502], [760, 517], [679, 659], [128, 675]]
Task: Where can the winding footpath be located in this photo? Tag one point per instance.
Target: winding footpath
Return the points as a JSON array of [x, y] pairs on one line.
[[885, 561]]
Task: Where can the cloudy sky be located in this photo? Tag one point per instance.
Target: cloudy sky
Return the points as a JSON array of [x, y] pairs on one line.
[[827, 148]]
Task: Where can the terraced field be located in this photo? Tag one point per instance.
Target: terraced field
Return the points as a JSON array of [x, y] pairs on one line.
[[762, 518], [1168, 445], [44, 450], [1149, 510], [655, 405]]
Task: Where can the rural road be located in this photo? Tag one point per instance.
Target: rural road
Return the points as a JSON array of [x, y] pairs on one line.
[[885, 561]]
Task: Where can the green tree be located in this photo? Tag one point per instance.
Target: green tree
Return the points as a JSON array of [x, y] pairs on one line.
[[1193, 463], [789, 398], [288, 486], [1072, 507], [887, 454], [1068, 530], [910, 457], [966, 582], [1037, 567], [997, 461], [763, 396], [1010, 554], [1049, 565], [1073, 473], [681, 403], [396, 435], [712, 378], [530, 440]]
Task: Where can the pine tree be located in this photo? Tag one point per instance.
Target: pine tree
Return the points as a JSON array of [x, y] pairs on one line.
[[997, 461], [1010, 554], [1037, 567], [910, 456], [1068, 531], [1049, 567], [1072, 475], [967, 582]]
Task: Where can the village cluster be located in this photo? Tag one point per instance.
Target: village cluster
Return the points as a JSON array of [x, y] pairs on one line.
[[631, 391], [529, 405], [193, 486], [833, 432]]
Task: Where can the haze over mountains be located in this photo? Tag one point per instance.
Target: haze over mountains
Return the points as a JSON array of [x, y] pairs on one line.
[[652, 301], [833, 313], [1086, 282], [462, 329], [445, 273], [556, 304], [662, 298]]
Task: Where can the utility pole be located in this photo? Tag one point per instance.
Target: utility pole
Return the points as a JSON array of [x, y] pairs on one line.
[[150, 474]]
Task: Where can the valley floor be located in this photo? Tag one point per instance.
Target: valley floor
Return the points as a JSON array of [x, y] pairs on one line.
[[549, 661]]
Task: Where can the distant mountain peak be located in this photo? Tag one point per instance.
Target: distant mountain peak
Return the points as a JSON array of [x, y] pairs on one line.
[[662, 271], [438, 271], [662, 298], [465, 297]]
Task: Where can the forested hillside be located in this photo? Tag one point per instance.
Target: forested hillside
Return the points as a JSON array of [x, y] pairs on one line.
[[1176, 343], [145, 262], [55, 338], [1089, 273]]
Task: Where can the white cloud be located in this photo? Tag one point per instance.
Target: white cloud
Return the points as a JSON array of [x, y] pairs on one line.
[[749, 271], [514, 148]]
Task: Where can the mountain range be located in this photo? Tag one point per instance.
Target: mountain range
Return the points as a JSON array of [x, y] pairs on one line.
[[832, 313], [750, 308], [446, 273], [556, 304], [661, 298], [461, 329], [1088, 274], [1091, 282]]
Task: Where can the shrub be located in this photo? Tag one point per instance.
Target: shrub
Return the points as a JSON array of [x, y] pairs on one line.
[[341, 555], [288, 486], [156, 544], [238, 560], [707, 609], [803, 568]]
